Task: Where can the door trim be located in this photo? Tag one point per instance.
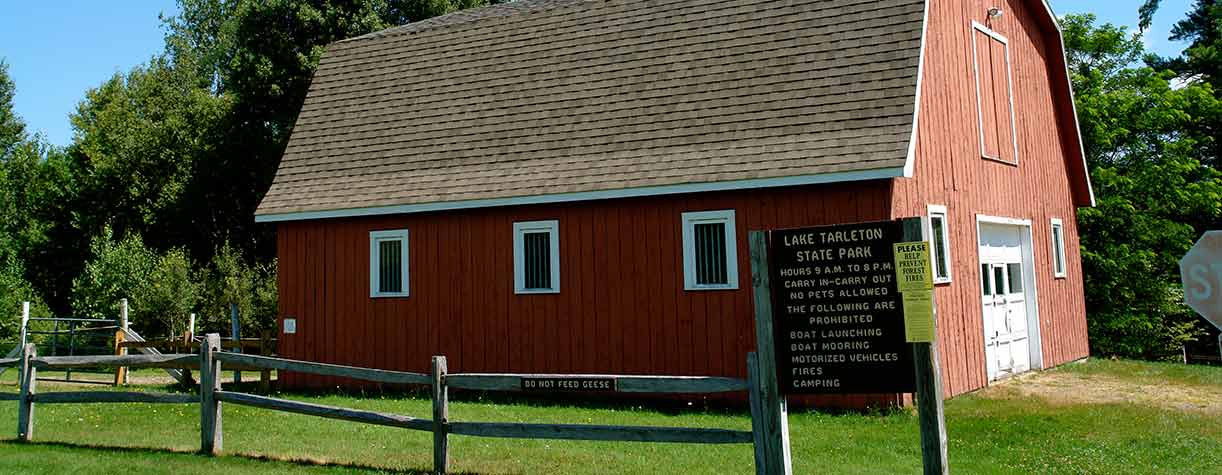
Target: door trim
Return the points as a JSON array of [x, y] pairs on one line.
[[1034, 337]]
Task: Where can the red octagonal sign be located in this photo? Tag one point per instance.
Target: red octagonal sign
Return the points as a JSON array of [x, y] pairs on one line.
[[1201, 271]]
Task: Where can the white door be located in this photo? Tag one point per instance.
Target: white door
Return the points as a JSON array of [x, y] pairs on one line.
[[1004, 300]]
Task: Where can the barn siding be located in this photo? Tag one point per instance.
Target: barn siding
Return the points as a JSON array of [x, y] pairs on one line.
[[621, 306], [950, 171]]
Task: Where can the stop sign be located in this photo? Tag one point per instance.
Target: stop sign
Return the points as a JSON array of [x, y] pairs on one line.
[[1201, 271]]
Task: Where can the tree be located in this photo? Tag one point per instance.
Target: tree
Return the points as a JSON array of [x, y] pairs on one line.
[[261, 56], [12, 128], [160, 289], [1201, 61], [140, 140], [1145, 144]]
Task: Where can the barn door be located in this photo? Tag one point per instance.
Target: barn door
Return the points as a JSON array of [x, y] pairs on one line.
[[1005, 299]]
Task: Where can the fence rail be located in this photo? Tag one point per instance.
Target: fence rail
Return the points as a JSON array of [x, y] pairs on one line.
[[109, 396], [376, 375], [170, 361], [211, 359], [623, 384], [686, 435], [329, 412]]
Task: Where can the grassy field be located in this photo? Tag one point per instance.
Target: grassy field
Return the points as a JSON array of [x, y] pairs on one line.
[[1095, 417]]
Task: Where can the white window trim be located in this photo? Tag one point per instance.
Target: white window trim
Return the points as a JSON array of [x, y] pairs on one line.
[[935, 250], [376, 237], [520, 229], [1052, 237], [976, 26], [690, 220]]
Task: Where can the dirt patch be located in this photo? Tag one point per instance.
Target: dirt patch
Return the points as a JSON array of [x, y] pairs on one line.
[[1069, 388]]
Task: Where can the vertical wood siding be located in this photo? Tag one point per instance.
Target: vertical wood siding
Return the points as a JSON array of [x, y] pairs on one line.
[[950, 171], [621, 307]]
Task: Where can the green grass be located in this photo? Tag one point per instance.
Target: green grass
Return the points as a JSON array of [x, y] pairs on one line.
[[997, 431], [1150, 372]]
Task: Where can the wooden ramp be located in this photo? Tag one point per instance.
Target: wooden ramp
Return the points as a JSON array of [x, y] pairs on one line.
[[177, 374]]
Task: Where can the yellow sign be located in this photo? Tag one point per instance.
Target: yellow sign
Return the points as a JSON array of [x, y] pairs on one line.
[[918, 316], [912, 271]]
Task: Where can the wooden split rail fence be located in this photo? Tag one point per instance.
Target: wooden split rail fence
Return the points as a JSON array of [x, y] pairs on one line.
[[211, 358]]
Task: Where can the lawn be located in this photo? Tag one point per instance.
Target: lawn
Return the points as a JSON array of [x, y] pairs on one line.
[[1095, 417]]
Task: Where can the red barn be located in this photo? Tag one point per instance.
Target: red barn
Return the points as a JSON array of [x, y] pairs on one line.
[[566, 186]]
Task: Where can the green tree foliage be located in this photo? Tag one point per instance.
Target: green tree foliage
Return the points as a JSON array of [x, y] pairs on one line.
[[176, 154], [140, 140], [1146, 142], [25, 188], [161, 288], [251, 287], [12, 129], [1201, 61], [260, 56]]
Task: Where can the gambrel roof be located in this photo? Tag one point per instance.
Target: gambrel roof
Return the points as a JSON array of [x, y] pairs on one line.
[[555, 100]]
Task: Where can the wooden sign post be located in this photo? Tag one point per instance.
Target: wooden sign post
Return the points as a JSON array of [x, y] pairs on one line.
[[775, 423], [831, 319], [929, 387]]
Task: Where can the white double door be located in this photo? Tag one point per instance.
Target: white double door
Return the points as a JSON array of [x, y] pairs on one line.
[[1003, 283]]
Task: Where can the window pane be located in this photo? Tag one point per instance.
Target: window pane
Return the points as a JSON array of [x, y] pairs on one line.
[[1058, 249], [940, 254], [537, 260], [999, 279], [390, 266], [710, 244], [1016, 277]]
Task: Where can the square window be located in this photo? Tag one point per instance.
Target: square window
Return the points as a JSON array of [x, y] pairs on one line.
[[388, 263], [939, 244], [536, 257], [710, 256], [1058, 248]]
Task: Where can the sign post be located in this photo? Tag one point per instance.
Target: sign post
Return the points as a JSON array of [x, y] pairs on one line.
[[775, 423], [928, 378], [846, 309], [1201, 272]]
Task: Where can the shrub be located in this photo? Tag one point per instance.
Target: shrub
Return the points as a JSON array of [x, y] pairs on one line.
[[252, 288], [159, 287]]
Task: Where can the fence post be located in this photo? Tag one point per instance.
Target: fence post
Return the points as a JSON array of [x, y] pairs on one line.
[[235, 326], [25, 405], [774, 404], [120, 337], [265, 376], [25, 322], [209, 407], [758, 432], [441, 416], [120, 350]]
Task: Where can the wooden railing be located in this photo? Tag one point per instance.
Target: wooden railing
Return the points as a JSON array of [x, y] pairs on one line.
[[210, 360]]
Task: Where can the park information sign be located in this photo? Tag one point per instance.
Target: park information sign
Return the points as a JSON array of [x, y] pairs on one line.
[[838, 311]]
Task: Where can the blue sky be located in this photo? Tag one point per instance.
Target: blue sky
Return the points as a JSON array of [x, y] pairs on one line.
[[58, 49]]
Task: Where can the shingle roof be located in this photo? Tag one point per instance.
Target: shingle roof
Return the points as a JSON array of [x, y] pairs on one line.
[[560, 96]]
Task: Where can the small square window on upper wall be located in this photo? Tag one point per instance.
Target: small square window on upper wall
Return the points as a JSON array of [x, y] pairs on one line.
[[939, 243], [388, 263], [536, 257], [710, 256], [994, 95], [1058, 248]]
